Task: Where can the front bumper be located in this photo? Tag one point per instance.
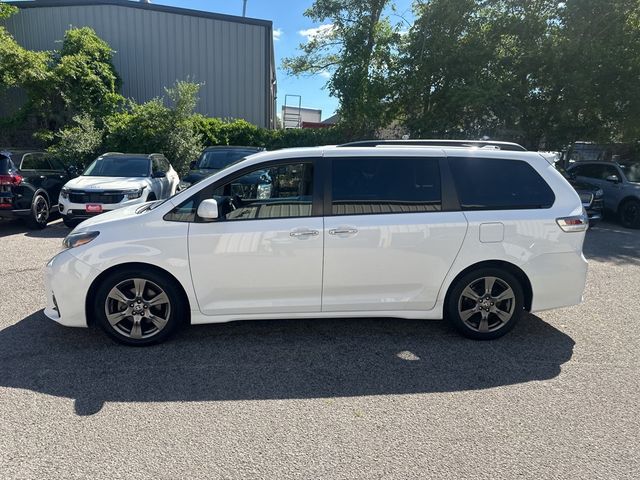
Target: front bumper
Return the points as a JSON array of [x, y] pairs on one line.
[[67, 282], [78, 211]]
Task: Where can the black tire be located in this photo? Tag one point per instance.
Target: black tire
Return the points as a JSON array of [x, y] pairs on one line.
[[629, 213], [71, 223], [177, 312], [40, 212], [458, 304]]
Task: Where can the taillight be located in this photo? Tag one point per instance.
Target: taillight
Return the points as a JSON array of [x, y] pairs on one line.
[[576, 223], [10, 179]]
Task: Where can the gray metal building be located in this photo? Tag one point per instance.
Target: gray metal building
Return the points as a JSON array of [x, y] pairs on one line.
[[156, 45]]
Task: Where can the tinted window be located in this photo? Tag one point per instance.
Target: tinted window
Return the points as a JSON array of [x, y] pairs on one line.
[[632, 171], [221, 158], [280, 191], [5, 164], [119, 166], [499, 184], [35, 161], [594, 170], [363, 186]]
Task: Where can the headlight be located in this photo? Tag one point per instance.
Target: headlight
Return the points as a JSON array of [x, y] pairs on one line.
[[74, 240], [64, 193], [183, 185], [134, 193], [599, 193]]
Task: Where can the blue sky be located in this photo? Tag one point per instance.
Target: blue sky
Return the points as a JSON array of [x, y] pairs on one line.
[[288, 21]]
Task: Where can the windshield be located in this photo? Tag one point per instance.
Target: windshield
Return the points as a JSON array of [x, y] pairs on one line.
[[631, 171], [118, 167], [219, 159]]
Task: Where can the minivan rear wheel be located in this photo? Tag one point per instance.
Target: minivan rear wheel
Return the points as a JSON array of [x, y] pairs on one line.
[[138, 308], [485, 303]]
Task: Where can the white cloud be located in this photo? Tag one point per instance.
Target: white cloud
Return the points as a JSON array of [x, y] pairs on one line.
[[277, 33], [320, 31], [325, 74]]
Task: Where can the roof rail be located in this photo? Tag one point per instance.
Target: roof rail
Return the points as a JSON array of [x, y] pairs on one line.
[[510, 146]]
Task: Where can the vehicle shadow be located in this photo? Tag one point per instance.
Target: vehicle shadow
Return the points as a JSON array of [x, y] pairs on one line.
[[608, 242], [284, 359], [55, 229]]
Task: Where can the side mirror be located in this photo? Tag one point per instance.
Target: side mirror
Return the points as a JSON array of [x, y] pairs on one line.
[[613, 179], [193, 165], [72, 170], [208, 209], [159, 174]]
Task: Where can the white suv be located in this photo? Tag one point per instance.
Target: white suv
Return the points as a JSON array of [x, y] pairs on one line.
[[478, 235], [116, 180]]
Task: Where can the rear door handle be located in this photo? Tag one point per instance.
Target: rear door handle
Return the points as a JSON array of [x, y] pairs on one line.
[[343, 231], [304, 233]]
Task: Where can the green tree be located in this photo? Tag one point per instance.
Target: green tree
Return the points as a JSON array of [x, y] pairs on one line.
[[357, 47]]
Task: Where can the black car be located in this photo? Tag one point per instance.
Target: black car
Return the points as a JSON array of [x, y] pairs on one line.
[[30, 183], [214, 159], [590, 195]]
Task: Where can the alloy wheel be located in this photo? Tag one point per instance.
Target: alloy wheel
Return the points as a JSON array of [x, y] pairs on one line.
[[41, 210], [137, 308], [631, 213], [486, 304]]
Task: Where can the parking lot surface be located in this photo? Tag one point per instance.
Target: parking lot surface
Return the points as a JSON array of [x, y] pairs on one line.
[[556, 398]]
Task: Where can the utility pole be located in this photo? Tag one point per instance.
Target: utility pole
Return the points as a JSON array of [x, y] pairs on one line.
[[244, 8]]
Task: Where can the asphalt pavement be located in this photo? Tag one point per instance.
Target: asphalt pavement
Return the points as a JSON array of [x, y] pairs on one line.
[[557, 398]]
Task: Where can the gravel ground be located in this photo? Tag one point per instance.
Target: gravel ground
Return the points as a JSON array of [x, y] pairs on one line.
[[386, 398]]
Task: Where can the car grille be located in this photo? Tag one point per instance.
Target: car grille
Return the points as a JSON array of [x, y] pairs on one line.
[[586, 199], [76, 196]]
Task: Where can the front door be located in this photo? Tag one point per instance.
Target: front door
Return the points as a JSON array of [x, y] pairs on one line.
[[264, 254], [388, 244]]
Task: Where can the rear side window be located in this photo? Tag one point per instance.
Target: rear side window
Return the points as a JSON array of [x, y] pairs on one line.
[[364, 186], [499, 184], [35, 161]]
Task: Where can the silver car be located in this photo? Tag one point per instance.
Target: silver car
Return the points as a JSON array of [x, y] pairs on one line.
[[620, 183]]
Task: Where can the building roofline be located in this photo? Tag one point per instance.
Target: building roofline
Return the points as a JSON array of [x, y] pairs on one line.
[[144, 6]]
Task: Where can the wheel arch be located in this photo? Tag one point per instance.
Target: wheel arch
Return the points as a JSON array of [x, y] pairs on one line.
[[89, 300], [627, 199], [500, 264]]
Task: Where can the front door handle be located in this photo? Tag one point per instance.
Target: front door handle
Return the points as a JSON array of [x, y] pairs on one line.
[[304, 233], [343, 231]]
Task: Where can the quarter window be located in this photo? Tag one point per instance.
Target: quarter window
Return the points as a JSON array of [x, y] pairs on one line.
[[499, 184], [364, 186], [35, 161]]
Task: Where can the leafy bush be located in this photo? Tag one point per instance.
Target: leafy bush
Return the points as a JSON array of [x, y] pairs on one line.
[[79, 143], [240, 132]]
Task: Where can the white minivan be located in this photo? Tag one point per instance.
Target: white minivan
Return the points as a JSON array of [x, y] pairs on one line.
[[476, 234]]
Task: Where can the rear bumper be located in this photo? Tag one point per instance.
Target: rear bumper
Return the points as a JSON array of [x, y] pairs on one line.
[[557, 280]]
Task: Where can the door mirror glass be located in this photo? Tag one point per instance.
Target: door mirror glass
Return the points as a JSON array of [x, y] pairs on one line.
[[208, 209], [612, 179]]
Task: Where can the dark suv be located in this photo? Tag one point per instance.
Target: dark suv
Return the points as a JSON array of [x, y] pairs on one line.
[[214, 159], [30, 183]]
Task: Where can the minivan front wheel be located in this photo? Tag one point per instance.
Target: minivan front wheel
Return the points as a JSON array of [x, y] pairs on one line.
[[138, 308], [485, 303]]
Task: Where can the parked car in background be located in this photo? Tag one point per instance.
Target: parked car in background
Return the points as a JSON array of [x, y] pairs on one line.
[[116, 180], [620, 183], [479, 235], [214, 159], [590, 195], [30, 182]]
